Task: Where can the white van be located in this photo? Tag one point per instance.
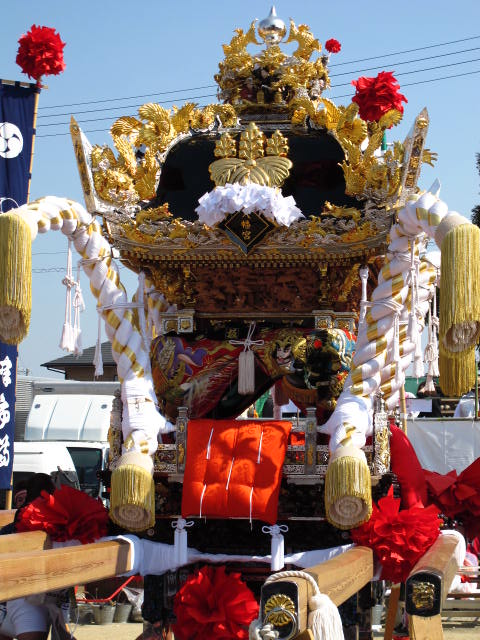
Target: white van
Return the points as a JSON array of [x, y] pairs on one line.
[[78, 422], [51, 458]]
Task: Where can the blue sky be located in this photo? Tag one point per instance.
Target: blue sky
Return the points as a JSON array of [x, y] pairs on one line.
[[120, 49]]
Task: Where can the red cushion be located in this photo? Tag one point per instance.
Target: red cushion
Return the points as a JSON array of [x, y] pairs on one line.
[[406, 467], [223, 464]]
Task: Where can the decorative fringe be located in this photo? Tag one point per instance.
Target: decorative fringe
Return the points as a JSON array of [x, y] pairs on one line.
[[132, 496], [246, 362], [460, 288], [78, 308], [180, 541], [457, 371], [15, 278], [246, 373], [277, 545], [97, 358], [67, 340], [459, 304], [348, 493], [324, 618]]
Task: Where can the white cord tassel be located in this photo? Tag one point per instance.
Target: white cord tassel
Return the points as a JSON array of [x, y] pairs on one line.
[[67, 340], [180, 541], [363, 273], [246, 362], [324, 619], [78, 308], [277, 545], [97, 358], [141, 311]]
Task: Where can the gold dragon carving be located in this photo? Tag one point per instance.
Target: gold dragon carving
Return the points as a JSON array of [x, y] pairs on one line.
[[132, 175]]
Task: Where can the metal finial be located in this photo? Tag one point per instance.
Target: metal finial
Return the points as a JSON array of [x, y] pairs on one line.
[[272, 29]]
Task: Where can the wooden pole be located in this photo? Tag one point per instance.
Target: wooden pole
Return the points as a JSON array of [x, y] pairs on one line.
[[26, 573], [338, 578], [22, 542]]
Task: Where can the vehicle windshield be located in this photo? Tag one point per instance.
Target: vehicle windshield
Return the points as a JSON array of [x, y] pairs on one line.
[[88, 462]]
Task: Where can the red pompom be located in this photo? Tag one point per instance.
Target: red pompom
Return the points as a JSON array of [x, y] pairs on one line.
[[332, 45], [41, 53], [67, 514], [377, 96], [214, 605], [398, 538]]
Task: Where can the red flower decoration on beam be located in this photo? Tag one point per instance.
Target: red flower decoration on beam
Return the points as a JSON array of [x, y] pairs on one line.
[[214, 605], [67, 514], [41, 53], [333, 46], [398, 538], [376, 96]]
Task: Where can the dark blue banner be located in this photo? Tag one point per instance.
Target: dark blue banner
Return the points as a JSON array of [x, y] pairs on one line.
[[17, 120], [8, 375]]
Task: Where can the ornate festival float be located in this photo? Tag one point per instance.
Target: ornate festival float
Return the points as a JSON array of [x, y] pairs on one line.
[[280, 244]]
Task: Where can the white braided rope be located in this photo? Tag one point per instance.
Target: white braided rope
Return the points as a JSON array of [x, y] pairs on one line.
[[129, 353], [386, 365]]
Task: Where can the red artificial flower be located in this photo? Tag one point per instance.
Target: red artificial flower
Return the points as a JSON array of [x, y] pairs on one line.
[[67, 514], [398, 538], [318, 344], [214, 605], [376, 96], [332, 45], [41, 53]]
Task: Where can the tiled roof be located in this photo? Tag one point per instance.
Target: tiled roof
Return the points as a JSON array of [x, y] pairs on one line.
[[84, 360]]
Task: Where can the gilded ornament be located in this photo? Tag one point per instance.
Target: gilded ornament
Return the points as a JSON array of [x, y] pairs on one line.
[[275, 608], [251, 165]]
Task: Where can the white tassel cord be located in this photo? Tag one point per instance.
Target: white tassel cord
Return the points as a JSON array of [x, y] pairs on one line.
[[97, 358], [180, 541], [246, 362], [78, 308], [277, 545], [323, 618], [67, 340]]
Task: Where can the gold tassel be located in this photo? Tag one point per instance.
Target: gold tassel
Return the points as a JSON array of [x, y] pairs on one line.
[[132, 496], [459, 311], [348, 491], [457, 371], [15, 278], [460, 288]]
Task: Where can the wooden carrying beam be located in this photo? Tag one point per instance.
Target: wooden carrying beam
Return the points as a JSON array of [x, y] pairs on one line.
[[6, 516], [339, 578], [22, 542], [25, 573], [429, 581]]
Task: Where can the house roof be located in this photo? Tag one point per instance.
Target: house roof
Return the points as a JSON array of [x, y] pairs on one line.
[[84, 360]]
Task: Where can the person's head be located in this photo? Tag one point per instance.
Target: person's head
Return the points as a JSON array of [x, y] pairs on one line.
[[19, 494], [36, 484]]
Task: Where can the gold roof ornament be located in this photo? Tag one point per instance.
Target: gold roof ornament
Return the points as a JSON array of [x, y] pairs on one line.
[[272, 104]]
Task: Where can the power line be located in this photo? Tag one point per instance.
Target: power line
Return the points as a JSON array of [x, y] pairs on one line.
[[405, 73], [398, 53], [411, 84], [347, 95], [344, 73], [211, 86]]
